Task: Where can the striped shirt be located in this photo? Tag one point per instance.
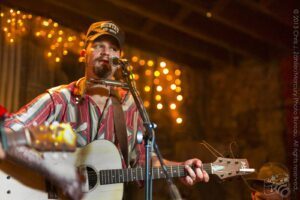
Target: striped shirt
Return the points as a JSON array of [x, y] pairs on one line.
[[88, 121]]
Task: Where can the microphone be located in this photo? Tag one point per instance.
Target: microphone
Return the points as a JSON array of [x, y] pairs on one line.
[[114, 61]]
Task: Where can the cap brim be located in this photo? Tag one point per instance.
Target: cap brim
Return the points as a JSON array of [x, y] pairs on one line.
[[97, 35], [259, 185]]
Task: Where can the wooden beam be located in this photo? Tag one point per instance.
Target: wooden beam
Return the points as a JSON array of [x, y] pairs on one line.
[[263, 10], [181, 15], [163, 20], [220, 17]]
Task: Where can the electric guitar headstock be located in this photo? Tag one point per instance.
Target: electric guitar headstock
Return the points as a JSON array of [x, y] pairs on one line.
[[225, 168], [53, 137]]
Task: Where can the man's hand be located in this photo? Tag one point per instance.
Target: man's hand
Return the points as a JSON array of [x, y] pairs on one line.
[[2, 154], [62, 174], [198, 174]]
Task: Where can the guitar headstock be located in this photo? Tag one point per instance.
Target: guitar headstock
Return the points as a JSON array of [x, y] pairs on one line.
[[230, 167], [54, 137]]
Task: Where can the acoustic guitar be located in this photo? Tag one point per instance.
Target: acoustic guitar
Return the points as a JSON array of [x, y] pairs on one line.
[[100, 164]]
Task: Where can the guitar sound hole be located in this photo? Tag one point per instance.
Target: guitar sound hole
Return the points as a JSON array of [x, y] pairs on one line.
[[92, 177]]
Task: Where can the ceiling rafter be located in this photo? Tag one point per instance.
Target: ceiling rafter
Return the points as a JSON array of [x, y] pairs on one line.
[[161, 19], [181, 15], [262, 9], [201, 57], [217, 16], [198, 53]]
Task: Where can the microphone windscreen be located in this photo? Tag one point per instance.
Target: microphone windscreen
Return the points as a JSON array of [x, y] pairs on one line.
[[114, 61]]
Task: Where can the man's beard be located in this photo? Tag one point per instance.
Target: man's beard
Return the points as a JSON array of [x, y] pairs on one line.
[[102, 71]]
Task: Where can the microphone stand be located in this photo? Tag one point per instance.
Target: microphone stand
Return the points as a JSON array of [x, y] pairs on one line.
[[149, 138]]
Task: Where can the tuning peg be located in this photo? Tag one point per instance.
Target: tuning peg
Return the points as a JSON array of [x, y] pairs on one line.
[[250, 170]]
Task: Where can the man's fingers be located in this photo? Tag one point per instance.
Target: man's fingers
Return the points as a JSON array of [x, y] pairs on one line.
[[190, 172], [205, 176], [189, 180], [199, 174]]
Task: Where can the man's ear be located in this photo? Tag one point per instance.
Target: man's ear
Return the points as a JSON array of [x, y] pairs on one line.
[[252, 195]]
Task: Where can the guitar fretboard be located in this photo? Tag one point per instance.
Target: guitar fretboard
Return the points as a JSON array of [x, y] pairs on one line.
[[137, 174]]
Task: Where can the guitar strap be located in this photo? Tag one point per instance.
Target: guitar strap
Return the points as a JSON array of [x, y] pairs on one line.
[[120, 125]]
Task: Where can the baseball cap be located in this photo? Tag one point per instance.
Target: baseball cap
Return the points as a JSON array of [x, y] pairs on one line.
[[101, 28], [270, 175]]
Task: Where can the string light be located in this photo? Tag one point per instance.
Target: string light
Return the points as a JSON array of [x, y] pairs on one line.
[[150, 63], [162, 64], [156, 73], [208, 14], [178, 89], [158, 97], [173, 87], [148, 72], [45, 23], [65, 52], [146, 104], [147, 88], [173, 106], [179, 97], [81, 43], [166, 71], [159, 106], [179, 120], [156, 81], [142, 62], [177, 81], [177, 72], [169, 77], [81, 59], [134, 59], [136, 77], [159, 88]]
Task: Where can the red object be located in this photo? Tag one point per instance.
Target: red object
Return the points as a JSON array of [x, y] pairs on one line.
[[3, 111]]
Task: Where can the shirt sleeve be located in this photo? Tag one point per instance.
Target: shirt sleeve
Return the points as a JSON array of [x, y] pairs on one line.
[[42, 109]]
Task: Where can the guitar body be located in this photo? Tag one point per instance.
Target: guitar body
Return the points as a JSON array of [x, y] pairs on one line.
[[18, 183]]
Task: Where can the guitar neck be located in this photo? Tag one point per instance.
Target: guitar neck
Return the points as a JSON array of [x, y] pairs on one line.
[[137, 174]]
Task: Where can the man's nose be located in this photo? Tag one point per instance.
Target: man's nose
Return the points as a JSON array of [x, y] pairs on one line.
[[104, 51]]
